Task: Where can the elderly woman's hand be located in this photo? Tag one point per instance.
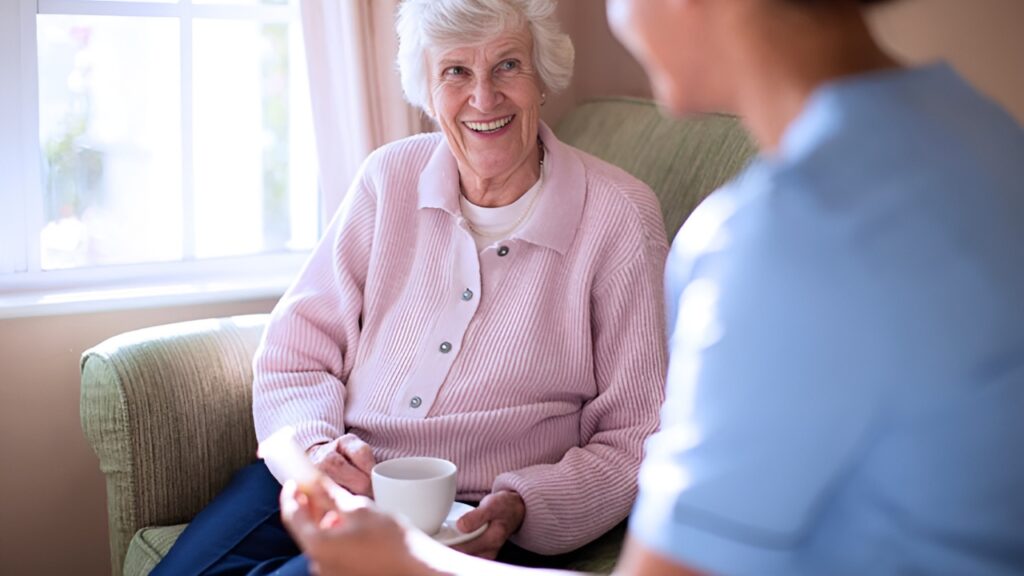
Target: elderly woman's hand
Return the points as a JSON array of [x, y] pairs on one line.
[[348, 461], [361, 541], [504, 510]]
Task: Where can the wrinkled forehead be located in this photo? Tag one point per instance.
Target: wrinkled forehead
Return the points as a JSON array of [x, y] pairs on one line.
[[489, 47]]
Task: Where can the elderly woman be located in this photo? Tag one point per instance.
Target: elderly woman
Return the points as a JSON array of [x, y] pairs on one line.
[[486, 294]]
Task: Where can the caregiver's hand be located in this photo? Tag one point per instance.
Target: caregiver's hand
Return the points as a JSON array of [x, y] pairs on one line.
[[359, 541]]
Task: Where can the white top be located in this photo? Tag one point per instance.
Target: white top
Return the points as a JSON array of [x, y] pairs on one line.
[[488, 225]]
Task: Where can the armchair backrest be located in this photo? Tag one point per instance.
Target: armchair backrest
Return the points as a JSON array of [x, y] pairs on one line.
[[168, 411], [681, 160]]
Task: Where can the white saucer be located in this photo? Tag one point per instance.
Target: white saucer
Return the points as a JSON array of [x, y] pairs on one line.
[[449, 535]]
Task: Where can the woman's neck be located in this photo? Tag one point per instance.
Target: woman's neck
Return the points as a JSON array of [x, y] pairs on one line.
[[787, 53], [502, 190]]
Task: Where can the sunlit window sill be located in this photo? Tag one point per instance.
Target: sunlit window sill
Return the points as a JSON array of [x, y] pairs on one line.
[[172, 287], [157, 296]]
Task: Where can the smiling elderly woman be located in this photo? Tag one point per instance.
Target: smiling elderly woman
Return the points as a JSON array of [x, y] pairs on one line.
[[486, 294]]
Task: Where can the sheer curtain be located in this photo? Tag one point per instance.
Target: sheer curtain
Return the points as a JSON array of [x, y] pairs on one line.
[[356, 93]]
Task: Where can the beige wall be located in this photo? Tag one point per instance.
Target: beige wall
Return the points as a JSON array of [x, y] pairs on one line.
[[50, 485], [981, 38], [53, 517]]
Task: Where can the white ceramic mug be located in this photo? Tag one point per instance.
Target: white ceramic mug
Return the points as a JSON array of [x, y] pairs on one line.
[[421, 489]]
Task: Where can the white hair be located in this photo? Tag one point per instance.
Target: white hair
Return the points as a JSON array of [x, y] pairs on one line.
[[449, 23]]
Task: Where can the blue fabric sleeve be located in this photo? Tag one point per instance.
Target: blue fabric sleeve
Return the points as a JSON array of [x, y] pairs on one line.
[[770, 394]]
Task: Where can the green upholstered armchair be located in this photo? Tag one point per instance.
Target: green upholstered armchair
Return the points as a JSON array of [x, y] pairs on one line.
[[168, 409]]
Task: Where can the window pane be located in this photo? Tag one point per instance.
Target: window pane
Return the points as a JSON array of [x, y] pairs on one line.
[[110, 130], [255, 186]]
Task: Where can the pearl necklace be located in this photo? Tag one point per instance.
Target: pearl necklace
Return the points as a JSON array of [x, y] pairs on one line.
[[522, 217]]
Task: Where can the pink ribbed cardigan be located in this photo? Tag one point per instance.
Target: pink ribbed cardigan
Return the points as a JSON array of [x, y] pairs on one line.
[[536, 365]]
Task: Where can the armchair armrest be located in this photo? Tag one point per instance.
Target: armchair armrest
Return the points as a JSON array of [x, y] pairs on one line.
[[168, 411]]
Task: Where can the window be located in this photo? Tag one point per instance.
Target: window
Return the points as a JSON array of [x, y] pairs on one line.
[[156, 140]]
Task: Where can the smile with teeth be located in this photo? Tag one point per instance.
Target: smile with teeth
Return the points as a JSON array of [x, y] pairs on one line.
[[488, 127]]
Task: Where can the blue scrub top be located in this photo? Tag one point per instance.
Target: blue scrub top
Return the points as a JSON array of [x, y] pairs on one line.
[[846, 384]]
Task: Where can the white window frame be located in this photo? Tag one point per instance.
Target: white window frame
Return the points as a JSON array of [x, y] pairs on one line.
[[26, 289]]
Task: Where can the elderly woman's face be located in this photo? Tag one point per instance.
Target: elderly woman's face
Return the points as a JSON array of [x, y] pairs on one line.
[[487, 100]]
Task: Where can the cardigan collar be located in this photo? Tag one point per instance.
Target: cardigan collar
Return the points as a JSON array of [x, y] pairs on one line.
[[559, 208]]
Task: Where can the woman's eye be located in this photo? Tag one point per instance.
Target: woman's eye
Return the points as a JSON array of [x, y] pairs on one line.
[[455, 71], [509, 65]]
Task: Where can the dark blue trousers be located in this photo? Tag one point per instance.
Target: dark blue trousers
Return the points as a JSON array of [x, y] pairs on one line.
[[240, 532]]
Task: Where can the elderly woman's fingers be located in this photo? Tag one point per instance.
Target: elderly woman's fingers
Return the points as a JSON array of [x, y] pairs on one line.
[[504, 507], [504, 511], [486, 545], [345, 474], [357, 452], [474, 519], [348, 461]]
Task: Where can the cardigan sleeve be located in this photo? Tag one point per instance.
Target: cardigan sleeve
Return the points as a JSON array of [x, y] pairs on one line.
[[311, 340], [592, 488]]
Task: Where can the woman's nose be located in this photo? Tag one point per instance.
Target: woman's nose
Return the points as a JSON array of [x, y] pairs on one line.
[[485, 95]]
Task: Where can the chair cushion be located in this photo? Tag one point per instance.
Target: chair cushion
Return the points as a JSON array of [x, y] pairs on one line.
[[148, 547]]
